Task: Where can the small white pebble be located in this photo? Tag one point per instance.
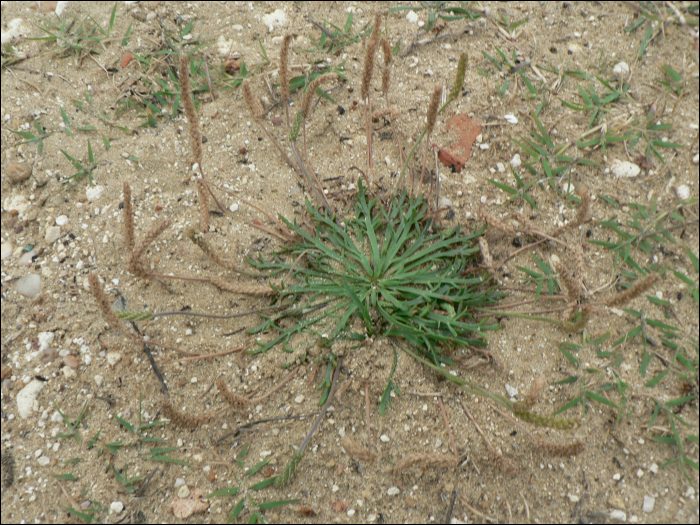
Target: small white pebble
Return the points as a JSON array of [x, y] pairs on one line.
[[573, 498], [648, 505], [61, 220], [412, 17], [515, 161], [233, 207], [621, 68], [384, 438], [640, 473], [335, 488], [299, 399], [510, 118], [618, 515], [654, 468], [393, 491], [193, 380], [188, 331], [351, 513], [179, 482], [116, 507], [183, 492], [683, 192], [483, 146]]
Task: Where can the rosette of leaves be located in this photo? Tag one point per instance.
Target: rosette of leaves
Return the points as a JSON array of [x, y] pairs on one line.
[[390, 266]]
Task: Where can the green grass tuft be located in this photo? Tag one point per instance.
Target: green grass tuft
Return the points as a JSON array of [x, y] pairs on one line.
[[392, 268]]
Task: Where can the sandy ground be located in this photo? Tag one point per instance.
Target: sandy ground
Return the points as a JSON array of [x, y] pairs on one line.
[[59, 341]]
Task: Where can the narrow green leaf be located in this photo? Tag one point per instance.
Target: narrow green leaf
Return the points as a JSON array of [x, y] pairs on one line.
[[232, 491], [505, 188], [264, 483], [601, 399], [236, 511], [125, 424], [67, 477], [274, 504]]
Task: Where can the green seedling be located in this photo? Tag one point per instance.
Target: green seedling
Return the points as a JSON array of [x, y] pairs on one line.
[[303, 81], [510, 26], [34, 139], [519, 191], [673, 80], [334, 39], [406, 284], [547, 276], [82, 170], [125, 481], [645, 228], [540, 147], [140, 430], [66, 121], [256, 516], [65, 37], [569, 350], [586, 394], [650, 129], [687, 280], [447, 11], [100, 116], [597, 104], [74, 427]]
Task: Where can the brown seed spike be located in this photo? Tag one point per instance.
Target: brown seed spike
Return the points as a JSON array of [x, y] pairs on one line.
[[370, 52], [284, 65], [311, 90], [253, 102], [182, 419], [459, 78], [386, 51], [433, 108], [102, 302], [355, 450], [234, 401], [635, 291], [148, 239]]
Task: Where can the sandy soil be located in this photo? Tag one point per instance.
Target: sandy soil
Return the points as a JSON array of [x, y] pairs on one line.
[[85, 362]]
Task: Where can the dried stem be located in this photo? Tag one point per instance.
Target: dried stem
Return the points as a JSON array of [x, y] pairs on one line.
[[497, 457], [368, 69], [256, 110], [449, 428], [128, 219]]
